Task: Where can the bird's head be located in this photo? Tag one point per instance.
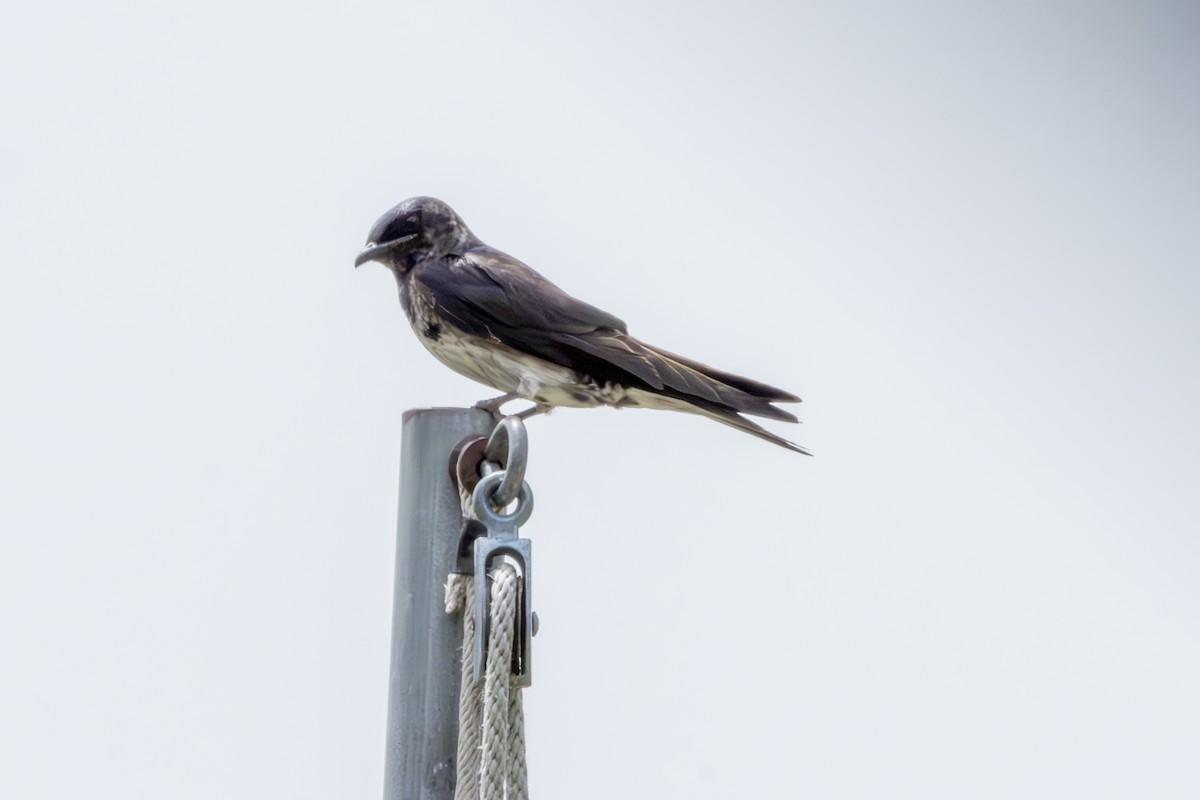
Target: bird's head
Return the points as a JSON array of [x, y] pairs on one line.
[[417, 228]]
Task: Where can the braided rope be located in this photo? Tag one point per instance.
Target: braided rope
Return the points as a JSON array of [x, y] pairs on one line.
[[460, 597], [518, 770], [497, 762]]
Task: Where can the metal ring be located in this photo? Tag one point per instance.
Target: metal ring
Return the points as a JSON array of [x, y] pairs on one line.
[[483, 498], [509, 446], [466, 460]]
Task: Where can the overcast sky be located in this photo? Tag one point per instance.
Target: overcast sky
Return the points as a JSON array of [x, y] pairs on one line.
[[966, 234]]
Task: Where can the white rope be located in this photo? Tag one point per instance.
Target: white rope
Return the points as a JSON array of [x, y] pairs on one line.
[[491, 720], [500, 761], [460, 596]]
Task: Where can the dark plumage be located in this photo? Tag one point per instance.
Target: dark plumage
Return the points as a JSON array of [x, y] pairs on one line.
[[492, 318]]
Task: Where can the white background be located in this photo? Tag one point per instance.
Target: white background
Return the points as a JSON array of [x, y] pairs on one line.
[[966, 234]]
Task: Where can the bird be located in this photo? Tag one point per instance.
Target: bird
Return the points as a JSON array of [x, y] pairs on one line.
[[492, 318]]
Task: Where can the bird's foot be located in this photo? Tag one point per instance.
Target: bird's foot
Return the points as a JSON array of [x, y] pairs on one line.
[[493, 406]]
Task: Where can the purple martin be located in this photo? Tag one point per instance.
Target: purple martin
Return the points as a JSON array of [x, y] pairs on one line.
[[491, 318]]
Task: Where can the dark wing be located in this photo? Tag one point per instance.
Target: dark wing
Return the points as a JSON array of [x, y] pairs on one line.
[[492, 295], [484, 289]]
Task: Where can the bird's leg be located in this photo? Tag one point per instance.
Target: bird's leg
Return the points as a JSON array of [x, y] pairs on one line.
[[528, 389], [493, 406], [533, 412]]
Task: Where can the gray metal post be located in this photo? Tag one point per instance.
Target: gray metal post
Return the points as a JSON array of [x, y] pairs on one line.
[[422, 726]]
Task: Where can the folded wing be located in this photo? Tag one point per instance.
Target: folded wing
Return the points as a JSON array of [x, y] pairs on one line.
[[489, 294]]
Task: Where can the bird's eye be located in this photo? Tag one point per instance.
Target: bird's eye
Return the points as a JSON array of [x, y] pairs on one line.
[[404, 226]]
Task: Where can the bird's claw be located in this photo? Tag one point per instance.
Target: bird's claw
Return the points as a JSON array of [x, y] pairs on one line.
[[493, 405]]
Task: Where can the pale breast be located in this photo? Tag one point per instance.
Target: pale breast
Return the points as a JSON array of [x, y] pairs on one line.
[[497, 365]]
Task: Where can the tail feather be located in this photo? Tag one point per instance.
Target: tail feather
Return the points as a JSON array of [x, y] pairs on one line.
[[643, 398], [733, 420], [684, 378], [746, 385], [684, 385]]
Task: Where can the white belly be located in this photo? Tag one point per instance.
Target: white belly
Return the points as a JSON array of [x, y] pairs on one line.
[[503, 368]]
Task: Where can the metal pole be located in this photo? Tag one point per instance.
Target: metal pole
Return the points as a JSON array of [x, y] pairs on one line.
[[422, 726]]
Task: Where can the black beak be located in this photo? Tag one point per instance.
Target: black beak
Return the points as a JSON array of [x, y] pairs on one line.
[[379, 252], [367, 254]]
